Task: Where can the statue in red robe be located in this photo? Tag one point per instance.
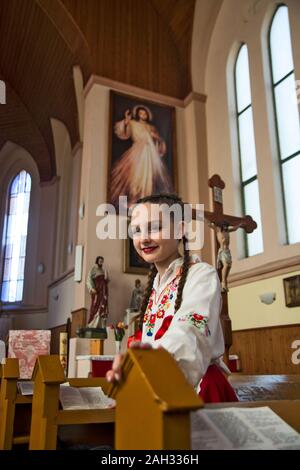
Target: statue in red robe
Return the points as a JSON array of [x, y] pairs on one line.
[[97, 284]]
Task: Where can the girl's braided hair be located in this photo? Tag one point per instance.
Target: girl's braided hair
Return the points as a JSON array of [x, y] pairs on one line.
[[168, 199]]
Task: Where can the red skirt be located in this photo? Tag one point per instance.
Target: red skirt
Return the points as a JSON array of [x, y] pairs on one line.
[[136, 337], [215, 387]]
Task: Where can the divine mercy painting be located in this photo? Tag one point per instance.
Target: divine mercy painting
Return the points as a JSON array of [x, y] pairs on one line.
[[142, 150]]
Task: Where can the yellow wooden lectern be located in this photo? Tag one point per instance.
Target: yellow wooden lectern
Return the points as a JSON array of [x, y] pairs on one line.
[[154, 401]]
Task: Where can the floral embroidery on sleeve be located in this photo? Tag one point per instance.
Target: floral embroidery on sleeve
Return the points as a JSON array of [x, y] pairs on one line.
[[199, 321]]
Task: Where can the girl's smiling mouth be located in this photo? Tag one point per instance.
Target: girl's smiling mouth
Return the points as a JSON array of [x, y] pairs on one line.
[[149, 249]]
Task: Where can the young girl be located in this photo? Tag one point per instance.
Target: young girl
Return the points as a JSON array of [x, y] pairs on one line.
[[181, 306]]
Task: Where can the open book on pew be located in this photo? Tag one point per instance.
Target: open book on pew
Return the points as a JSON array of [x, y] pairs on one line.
[[74, 398], [82, 398], [25, 387], [241, 429]]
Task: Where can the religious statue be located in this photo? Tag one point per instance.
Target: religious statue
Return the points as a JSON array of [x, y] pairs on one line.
[[224, 258], [97, 284], [137, 296]]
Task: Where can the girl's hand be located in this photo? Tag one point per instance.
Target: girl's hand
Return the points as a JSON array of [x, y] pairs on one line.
[[115, 374]]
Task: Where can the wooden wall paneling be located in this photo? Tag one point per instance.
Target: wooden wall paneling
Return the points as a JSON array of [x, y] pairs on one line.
[[78, 320], [266, 350], [55, 332]]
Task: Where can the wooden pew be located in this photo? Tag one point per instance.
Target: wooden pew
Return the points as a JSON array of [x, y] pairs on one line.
[[154, 401], [9, 398], [146, 395], [266, 387], [46, 414], [152, 405], [15, 416]]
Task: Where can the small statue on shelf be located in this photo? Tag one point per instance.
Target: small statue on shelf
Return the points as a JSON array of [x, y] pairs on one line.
[[136, 296], [97, 284]]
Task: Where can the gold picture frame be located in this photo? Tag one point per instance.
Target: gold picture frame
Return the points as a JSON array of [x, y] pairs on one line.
[[292, 291], [133, 264]]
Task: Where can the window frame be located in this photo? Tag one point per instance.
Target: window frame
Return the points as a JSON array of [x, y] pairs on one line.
[[274, 84], [6, 205], [250, 180]]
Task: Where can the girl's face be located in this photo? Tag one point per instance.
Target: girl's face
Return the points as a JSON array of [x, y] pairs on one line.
[[153, 232]]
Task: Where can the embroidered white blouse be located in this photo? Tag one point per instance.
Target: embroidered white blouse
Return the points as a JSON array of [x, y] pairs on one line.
[[193, 335]]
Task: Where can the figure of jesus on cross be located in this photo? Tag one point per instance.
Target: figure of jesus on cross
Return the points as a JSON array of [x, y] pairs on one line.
[[224, 258], [223, 224]]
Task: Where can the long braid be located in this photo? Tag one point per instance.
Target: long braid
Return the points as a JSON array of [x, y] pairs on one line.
[[151, 275], [184, 273]]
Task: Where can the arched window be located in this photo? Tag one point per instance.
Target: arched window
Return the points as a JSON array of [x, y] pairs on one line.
[[286, 118], [15, 237], [247, 152]]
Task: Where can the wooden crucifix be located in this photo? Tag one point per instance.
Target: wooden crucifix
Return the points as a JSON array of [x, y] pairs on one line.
[[217, 220]]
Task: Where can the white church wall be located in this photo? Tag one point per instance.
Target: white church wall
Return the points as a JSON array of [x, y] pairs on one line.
[[46, 239], [64, 160], [61, 301], [247, 311], [73, 205], [192, 166], [78, 88], [205, 15]]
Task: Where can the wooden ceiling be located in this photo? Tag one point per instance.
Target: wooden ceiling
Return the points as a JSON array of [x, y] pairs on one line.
[[146, 43], [37, 65], [142, 42], [17, 125]]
